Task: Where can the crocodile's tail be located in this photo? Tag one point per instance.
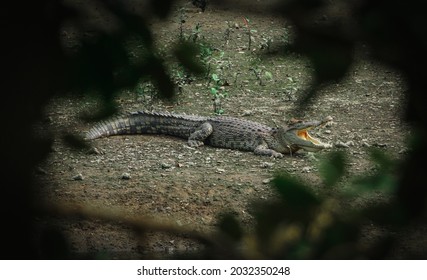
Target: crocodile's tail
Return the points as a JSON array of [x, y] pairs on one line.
[[142, 122], [119, 125]]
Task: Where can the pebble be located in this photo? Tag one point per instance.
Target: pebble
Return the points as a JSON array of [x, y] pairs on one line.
[[125, 176], [266, 181], [165, 165], [340, 144], [311, 157], [267, 164], [95, 151], [380, 145], [78, 177], [247, 113], [306, 169], [404, 151]]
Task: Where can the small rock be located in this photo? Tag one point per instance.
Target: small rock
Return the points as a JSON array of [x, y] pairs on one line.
[[95, 151], [125, 176], [165, 165], [340, 144], [78, 177], [311, 157], [247, 113], [380, 145], [404, 151], [267, 164], [306, 169], [365, 144], [266, 181], [220, 170]]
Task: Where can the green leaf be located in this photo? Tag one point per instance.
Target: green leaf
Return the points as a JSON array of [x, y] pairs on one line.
[[268, 75], [379, 157], [295, 194], [187, 53], [215, 77], [333, 168], [229, 225]]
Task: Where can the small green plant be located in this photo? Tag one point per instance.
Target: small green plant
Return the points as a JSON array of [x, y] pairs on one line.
[[182, 18], [262, 75], [146, 92], [266, 44], [227, 33], [181, 78], [249, 32], [286, 37], [218, 94], [196, 33], [258, 75], [205, 52], [291, 87]]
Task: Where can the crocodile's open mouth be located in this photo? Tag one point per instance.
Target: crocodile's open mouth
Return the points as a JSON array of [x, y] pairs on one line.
[[303, 134], [308, 142]]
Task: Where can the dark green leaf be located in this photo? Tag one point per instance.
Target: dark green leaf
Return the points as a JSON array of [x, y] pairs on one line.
[[187, 53], [333, 168], [229, 225], [295, 194]]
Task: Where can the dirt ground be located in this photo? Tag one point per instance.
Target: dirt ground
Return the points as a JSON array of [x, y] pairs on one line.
[[161, 178]]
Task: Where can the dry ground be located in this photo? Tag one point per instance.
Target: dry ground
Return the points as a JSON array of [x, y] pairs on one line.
[[191, 187]]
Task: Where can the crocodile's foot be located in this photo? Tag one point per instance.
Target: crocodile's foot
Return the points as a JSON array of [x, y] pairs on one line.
[[195, 143]]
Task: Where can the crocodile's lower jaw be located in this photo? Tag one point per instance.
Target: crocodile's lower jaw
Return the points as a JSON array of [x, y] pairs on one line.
[[318, 147]]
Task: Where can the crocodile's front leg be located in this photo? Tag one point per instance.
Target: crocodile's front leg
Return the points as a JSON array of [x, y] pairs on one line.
[[264, 150], [198, 137]]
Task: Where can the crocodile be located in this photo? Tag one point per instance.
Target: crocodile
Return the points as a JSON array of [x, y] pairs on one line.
[[216, 131]]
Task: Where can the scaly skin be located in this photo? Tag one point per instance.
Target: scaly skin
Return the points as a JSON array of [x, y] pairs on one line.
[[219, 131]]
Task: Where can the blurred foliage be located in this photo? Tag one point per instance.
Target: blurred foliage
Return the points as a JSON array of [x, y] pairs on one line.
[[300, 224], [333, 169]]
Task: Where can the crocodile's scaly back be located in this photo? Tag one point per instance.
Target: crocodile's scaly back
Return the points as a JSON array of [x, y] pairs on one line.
[[234, 133], [143, 122]]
